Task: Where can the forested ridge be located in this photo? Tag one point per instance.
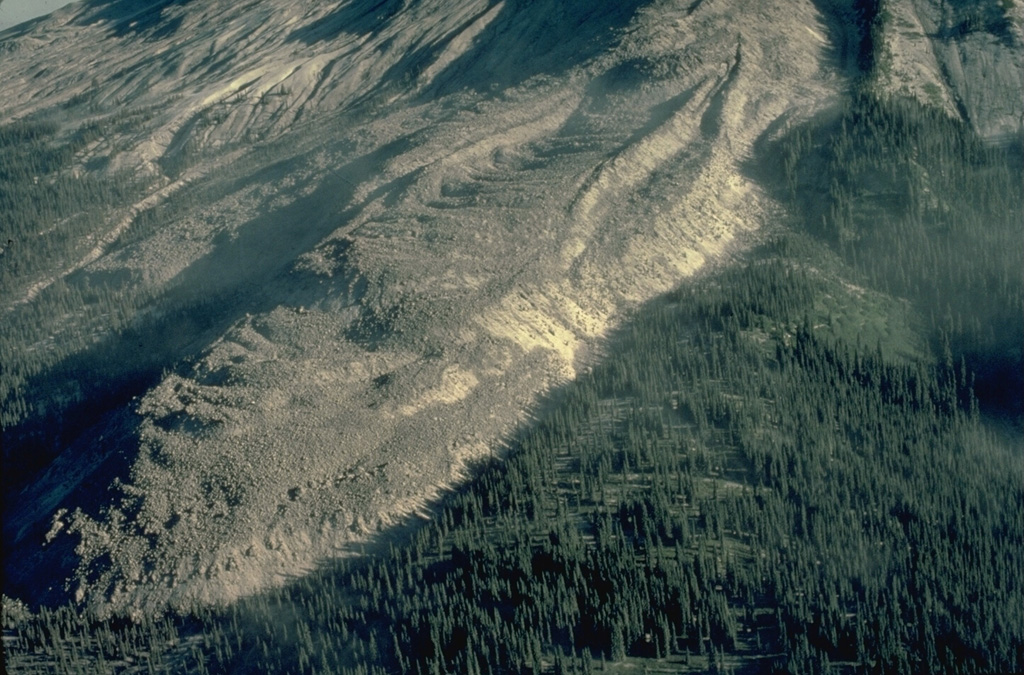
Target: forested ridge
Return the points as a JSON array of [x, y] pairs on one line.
[[786, 466]]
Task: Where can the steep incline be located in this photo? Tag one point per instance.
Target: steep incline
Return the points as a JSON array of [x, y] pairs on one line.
[[394, 224], [966, 57]]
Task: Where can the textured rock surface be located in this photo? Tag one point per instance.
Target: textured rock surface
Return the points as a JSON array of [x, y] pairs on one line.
[[966, 57]]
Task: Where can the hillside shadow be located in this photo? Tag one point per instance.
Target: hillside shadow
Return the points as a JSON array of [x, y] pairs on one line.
[[849, 35], [530, 38], [135, 18], [611, 88], [526, 39], [354, 18]]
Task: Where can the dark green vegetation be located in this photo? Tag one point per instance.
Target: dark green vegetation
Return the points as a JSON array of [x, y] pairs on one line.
[[924, 211], [50, 217], [809, 463], [77, 343]]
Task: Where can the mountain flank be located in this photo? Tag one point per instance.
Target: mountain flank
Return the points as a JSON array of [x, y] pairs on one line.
[[276, 273]]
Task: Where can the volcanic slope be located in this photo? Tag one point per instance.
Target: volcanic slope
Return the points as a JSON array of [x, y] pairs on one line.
[[363, 237]]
